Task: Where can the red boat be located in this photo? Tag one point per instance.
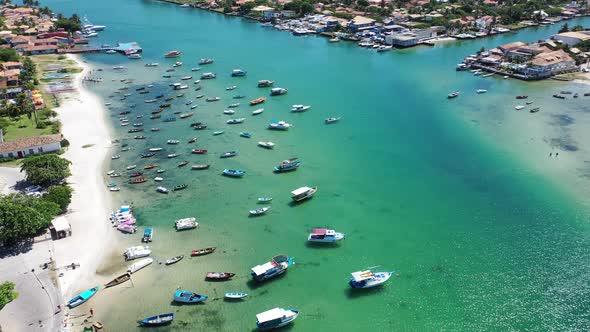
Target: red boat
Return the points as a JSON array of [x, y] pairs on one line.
[[257, 101], [219, 275], [199, 167], [201, 252], [199, 151], [136, 174], [137, 180], [150, 166], [173, 54], [522, 97]]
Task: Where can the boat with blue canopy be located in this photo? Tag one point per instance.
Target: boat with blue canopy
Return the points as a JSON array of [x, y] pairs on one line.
[[236, 173], [158, 320]]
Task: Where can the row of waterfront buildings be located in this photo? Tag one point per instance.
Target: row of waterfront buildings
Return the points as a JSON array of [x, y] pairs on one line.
[[534, 61]]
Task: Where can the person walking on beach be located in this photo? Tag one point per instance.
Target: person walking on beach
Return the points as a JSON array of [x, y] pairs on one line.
[[91, 312]]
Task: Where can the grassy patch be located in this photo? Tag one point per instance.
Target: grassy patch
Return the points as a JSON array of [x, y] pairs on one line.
[[21, 127], [11, 163]]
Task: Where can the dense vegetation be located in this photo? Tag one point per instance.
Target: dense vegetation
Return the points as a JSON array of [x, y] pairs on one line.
[[46, 170], [71, 24], [22, 217], [60, 195], [7, 293]]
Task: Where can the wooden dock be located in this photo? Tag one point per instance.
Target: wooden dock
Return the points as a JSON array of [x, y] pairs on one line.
[[82, 50]]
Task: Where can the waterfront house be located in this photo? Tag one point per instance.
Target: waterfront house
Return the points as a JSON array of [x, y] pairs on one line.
[[44, 41], [572, 38], [548, 64], [526, 52], [410, 38], [23, 147], [511, 46], [41, 49], [359, 23]]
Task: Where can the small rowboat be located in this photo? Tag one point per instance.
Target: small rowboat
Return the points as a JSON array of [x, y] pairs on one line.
[[236, 173], [264, 199], [219, 275], [147, 155], [187, 115], [137, 180], [257, 101], [258, 111], [259, 211], [246, 134], [174, 260], [234, 105], [199, 151], [192, 140], [199, 127], [182, 164], [522, 97], [332, 120], [201, 252], [161, 319], [180, 187], [199, 167], [185, 296], [235, 295], [86, 295], [118, 280], [150, 166]]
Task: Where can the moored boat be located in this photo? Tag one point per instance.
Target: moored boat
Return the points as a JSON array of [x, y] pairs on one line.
[[368, 279], [199, 151], [325, 235], [140, 265], [174, 260], [205, 61], [275, 318], [264, 199], [186, 223], [235, 121], [173, 54], [287, 165], [180, 187], [303, 193], [202, 252], [257, 101], [184, 163], [266, 145], [148, 235], [278, 91], [265, 83], [82, 297], [276, 266], [259, 211], [245, 134], [184, 296], [299, 108], [137, 180], [332, 120], [208, 76], [238, 73], [200, 167], [522, 97], [118, 280], [235, 295], [453, 94], [158, 320], [219, 275], [162, 190], [229, 154], [236, 173], [258, 111]]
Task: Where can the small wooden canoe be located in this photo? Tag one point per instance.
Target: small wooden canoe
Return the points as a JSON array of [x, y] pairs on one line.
[[201, 252], [118, 280], [219, 275], [182, 164], [200, 167], [174, 260]]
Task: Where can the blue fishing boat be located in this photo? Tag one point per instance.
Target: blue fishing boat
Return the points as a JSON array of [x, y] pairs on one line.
[[236, 173], [82, 297], [276, 266], [185, 296], [287, 165], [246, 134], [161, 319], [148, 235]]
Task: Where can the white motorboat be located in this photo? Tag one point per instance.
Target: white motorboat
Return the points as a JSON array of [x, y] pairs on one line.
[[266, 145], [136, 252], [131, 167], [155, 149], [259, 211], [300, 108], [480, 91], [275, 318], [325, 235], [303, 193], [229, 112], [519, 107], [368, 279], [172, 141], [279, 125], [158, 179], [162, 190], [140, 265], [258, 111], [235, 121], [186, 223]]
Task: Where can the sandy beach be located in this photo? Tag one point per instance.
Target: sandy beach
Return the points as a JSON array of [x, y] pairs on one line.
[[83, 124]]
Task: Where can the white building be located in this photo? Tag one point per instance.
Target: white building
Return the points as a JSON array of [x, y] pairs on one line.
[[28, 146], [572, 38]]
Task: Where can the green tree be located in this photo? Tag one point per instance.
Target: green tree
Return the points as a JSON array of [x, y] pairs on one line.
[[564, 28], [578, 28], [70, 25], [45, 170], [61, 195], [29, 71], [18, 221], [246, 8], [7, 293], [8, 54]]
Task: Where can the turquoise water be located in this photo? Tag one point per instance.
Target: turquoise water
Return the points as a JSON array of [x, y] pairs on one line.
[[478, 244]]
